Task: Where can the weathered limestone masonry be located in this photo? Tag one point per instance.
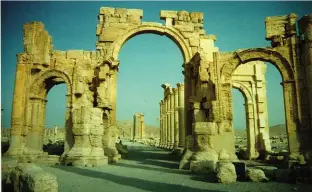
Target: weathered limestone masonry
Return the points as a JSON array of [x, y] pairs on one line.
[[250, 81], [168, 115], [245, 79], [287, 53], [305, 30], [91, 78], [138, 130], [176, 128]]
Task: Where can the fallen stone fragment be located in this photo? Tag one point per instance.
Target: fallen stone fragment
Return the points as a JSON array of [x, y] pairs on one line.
[[256, 175], [226, 172]]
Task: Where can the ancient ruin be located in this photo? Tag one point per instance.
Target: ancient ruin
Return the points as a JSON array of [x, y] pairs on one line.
[[250, 81], [138, 130], [209, 76], [172, 131]]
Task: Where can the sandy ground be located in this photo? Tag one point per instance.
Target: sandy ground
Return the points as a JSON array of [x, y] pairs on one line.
[[151, 169]]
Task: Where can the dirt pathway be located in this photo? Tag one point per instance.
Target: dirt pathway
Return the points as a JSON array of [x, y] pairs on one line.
[[150, 169]]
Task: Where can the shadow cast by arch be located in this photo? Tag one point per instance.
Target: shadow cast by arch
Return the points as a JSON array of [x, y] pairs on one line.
[[173, 170], [132, 182]]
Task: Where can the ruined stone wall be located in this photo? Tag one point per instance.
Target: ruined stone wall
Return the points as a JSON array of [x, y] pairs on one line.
[[285, 55], [91, 79]]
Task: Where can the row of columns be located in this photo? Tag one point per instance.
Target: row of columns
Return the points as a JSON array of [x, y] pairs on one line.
[[138, 130], [172, 129]]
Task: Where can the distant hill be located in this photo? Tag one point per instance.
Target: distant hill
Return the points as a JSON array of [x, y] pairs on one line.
[[278, 129], [126, 125], [274, 130]]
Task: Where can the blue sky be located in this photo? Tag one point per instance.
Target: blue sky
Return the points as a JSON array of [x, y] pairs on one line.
[[146, 61]]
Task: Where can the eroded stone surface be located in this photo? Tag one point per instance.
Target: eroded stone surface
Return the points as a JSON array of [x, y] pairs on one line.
[[256, 175], [91, 78], [226, 173]]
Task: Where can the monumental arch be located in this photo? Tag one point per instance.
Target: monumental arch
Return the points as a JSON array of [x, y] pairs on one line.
[[91, 78]]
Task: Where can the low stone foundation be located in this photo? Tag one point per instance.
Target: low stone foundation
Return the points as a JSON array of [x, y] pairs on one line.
[[27, 177]]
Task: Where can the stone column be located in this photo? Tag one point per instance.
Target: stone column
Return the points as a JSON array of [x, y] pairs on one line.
[[34, 141], [249, 109], [305, 26], [161, 121], [168, 122], [135, 127], [172, 133], [69, 140], [291, 122], [113, 92], [42, 122], [142, 126], [176, 118], [181, 115], [88, 134], [18, 111], [55, 132], [164, 114], [262, 110]]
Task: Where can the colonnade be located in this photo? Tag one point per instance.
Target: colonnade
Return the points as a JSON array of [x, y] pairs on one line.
[[172, 129], [138, 130]]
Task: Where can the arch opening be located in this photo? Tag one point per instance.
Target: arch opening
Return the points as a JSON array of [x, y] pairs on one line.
[[140, 57], [264, 110], [171, 33], [47, 86]]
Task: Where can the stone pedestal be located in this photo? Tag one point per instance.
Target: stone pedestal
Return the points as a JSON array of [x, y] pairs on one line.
[[211, 145]]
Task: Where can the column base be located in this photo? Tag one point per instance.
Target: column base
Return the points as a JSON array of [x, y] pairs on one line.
[[203, 161], [177, 151], [13, 152], [186, 160]]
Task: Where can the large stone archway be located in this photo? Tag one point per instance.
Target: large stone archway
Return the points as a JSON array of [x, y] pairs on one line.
[[91, 78], [289, 84]]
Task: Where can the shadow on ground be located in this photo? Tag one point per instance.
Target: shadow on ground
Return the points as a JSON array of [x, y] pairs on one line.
[[132, 182], [153, 159], [141, 157]]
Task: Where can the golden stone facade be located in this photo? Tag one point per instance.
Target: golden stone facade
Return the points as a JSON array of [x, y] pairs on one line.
[[91, 78]]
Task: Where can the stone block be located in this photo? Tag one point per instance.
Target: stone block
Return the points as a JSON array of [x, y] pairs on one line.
[[81, 129], [206, 166], [134, 19], [74, 54], [256, 175], [268, 171], [107, 11], [93, 55], [121, 12], [185, 28], [208, 128], [197, 17], [135, 12], [194, 42], [109, 34], [119, 25], [168, 14], [28, 177], [226, 172]]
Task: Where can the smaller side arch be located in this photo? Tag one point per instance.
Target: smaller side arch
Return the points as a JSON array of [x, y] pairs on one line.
[[39, 82], [244, 90], [260, 54]]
